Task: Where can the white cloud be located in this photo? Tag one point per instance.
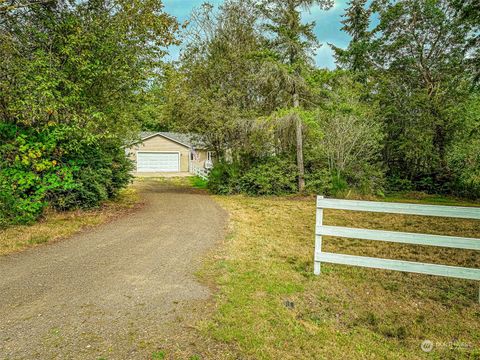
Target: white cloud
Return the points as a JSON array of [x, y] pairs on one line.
[[324, 58]]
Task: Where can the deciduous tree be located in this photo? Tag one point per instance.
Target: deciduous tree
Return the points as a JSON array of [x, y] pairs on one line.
[[424, 75]]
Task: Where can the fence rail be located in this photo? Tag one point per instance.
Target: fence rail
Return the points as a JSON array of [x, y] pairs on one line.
[[397, 237], [200, 172]]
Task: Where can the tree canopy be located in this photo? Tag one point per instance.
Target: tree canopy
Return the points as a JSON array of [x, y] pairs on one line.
[[415, 65], [71, 74]]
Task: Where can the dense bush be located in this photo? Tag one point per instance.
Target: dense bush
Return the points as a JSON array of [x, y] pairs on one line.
[[271, 176], [278, 176], [465, 161], [319, 182], [274, 176], [100, 173], [29, 172], [224, 178], [58, 166]]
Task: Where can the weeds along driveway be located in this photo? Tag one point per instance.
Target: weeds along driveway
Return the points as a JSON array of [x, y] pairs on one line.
[[115, 291]]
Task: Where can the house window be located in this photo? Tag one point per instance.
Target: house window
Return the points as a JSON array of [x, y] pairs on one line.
[[192, 157], [209, 155]]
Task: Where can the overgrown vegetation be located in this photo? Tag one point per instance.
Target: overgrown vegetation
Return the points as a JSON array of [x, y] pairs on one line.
[[71, 75], [269, 176], [399, 113]]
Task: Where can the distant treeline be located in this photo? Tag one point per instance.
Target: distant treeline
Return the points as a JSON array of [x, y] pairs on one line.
[[401, 112]]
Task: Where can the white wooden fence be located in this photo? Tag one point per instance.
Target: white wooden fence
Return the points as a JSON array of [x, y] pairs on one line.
[[200, 172], [398, 237]]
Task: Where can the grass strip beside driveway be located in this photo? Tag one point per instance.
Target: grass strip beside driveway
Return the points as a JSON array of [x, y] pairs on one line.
[[58, 225]]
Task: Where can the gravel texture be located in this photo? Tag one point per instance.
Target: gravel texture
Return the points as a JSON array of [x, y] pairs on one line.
[[116, 291]]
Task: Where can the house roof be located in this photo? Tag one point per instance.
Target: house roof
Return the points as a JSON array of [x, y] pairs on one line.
[[188, 140]]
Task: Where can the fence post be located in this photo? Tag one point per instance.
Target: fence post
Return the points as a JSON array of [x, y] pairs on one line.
[[318, 238]]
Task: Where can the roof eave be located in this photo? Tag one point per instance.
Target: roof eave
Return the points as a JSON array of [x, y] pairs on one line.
[[166, 137]]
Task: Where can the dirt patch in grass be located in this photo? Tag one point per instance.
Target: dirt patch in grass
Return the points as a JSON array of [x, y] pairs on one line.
[[269, 305], [58, 225]]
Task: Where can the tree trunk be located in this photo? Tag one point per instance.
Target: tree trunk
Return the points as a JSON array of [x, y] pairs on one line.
[[299, 140]]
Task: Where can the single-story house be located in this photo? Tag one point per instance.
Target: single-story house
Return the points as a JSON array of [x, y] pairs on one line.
[[169, 152]]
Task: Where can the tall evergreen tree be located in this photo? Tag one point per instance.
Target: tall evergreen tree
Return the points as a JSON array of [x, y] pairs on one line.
[[356, 22], [294, 42]]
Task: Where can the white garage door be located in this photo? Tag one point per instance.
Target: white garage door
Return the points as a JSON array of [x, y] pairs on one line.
[[157, 162]]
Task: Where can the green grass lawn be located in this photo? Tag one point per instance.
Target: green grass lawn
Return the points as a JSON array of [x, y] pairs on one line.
[[269, 305], [198, 182]]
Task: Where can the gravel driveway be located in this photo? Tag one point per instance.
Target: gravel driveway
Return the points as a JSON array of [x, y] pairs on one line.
[[114, 292]]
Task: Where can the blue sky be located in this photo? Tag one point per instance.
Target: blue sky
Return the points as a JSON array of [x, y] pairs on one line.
[[327, 26]]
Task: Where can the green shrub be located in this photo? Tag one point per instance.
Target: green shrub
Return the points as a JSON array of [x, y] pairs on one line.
[[29, 172], [59, 167], [100, 172], [319, 182], [275, 176], [271, 176], [224, 178], [395, 183], [278, 176], [367, 179]]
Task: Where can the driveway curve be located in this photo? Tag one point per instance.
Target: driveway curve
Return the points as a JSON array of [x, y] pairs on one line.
[[115, 291]]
